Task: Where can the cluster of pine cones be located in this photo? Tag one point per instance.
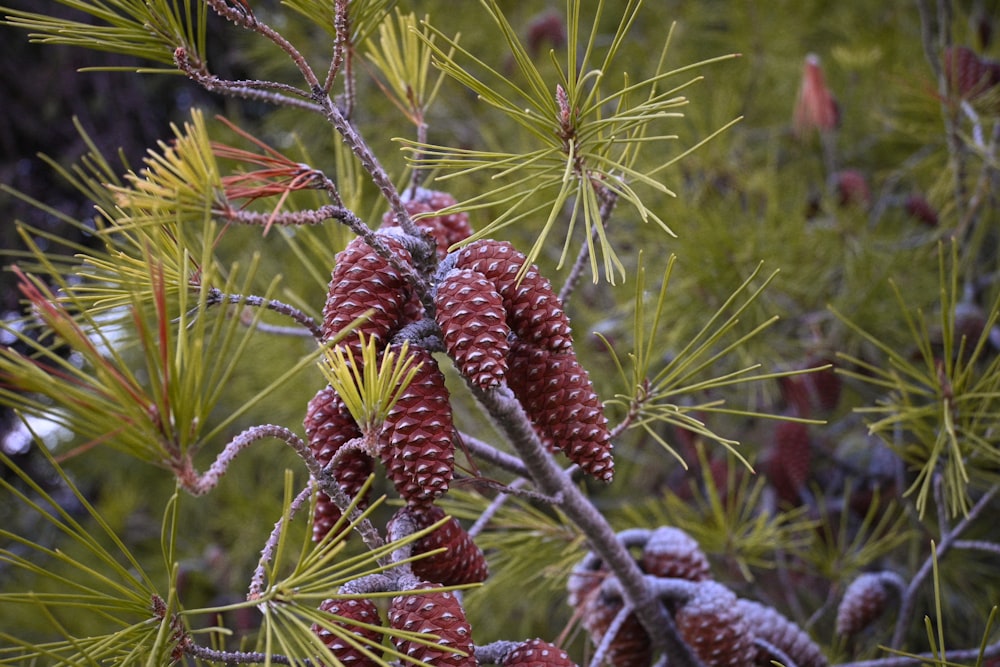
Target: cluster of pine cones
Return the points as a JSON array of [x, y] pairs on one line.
[[721, 629], [497, 325]]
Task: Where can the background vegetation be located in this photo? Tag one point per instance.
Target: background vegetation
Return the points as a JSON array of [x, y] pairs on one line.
[[779, 262]]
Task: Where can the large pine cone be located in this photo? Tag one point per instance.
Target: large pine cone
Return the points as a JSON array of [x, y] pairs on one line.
[[534, 311], [433, 613], [362, 280], [462, 563], [328, 427], [474, 326], [361, 610], [557, 395], [416, 443], [712, 625]]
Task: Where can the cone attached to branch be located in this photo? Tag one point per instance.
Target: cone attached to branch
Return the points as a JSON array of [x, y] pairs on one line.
[[328, 427], [433, 613], [864, 601], [557, 395], [712, 625], [670, 552], [416, 444], [446, 230], [771, 626], [361, 611], [534, 312], [462, 563], [473, 323], [537, 653]]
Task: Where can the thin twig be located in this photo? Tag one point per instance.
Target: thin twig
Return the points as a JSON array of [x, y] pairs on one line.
[[216, 296], [909, 600], [267, 553]]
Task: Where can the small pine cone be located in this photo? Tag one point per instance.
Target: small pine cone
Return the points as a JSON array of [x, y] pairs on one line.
[[921, 210], [474, 326], [328, 427], [631, 646], [781, 633], [361, 610], [537, 653], [788, 466], [363, 280], [864, 600], [462, 563], [852, 188], [416, 444], [825, 386], [438, 614], [670, 552], [714, 628], [557, 395], [534, 311], [967, 74]]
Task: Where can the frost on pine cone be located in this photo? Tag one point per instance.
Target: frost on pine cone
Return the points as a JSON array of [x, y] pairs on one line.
[[781, 633], [328, 427], [433, 613], [462, 563], [362, 280], [537, 653], [670, 552], [711, 624], [631, 646], [362, 611], [473, 323], [534, 311], [446, 230], [557, 395], [864, 600], [416, 443]]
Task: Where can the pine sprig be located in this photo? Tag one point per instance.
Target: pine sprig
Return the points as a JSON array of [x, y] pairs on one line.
[[147, 29], [586, 154], [944, 401]]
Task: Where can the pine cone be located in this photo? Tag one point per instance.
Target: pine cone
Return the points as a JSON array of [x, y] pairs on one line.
[[714, 628], [416, 444], [967, 74], [788, 466], [558, 397], [631, 646], [537, 653], [534, 312], [864, 600], [670, 552], [473, 323], [782, 633], [362, 611], [328, 427], [462, 563], [438, 614], [363, 280]]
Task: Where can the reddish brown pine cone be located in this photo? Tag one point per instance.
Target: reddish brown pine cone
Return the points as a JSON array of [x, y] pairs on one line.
[[534, 312], [462, 563], [781, 633], [864, 600], [433, 613], [328, 427], [537, 653], [446, 230], [714, 628], [363, 280], [670, 552], [363, 611], [557, 395], [631, 646], [416, 443], [967, 74], [788, 466], [474, 326]]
